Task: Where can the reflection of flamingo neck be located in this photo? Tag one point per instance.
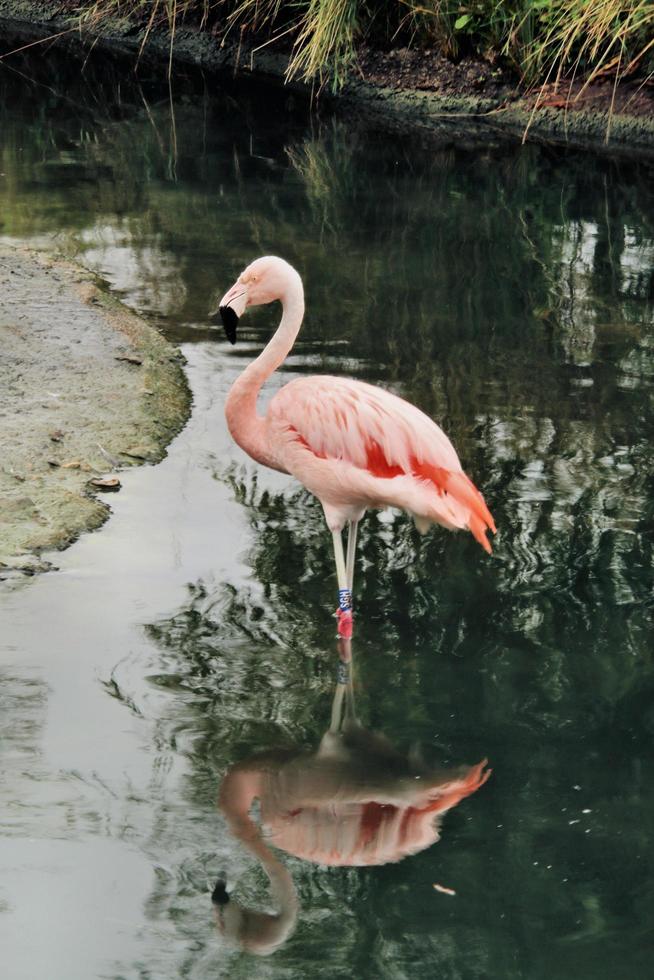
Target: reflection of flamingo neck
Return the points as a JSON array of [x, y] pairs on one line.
[[237, 793], [281, 884]]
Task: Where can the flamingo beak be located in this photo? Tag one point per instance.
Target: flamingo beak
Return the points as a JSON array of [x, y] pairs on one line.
[[231, 307]]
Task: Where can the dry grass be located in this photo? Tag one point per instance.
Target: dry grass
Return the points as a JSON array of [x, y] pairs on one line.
[[324, 33], [592, 38]]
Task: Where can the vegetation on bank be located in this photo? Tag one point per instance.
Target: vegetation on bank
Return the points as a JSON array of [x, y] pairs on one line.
[[542, 40]]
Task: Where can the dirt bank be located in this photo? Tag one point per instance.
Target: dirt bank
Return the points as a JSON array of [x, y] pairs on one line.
[[402, 90], [431, 86], [86, 388]]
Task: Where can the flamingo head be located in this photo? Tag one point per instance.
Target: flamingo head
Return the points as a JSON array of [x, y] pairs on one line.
[[260, 933], [265, 280]]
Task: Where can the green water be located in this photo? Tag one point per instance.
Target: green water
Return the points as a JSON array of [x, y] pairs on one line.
[[508, 292]]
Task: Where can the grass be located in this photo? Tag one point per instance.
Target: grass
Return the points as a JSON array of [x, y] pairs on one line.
[[542, 40], [324, 33], [592, 38]]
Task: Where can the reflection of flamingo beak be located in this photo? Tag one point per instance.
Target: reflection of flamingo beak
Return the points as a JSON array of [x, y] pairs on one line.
[[231, 307], [220, 895]]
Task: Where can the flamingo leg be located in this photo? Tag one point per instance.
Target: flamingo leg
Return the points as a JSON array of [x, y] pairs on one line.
[[339, 557], [344, 611], [351, 552]]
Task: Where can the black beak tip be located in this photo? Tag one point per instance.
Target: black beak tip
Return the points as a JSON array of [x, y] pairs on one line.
[[219, 895], [230, 322]]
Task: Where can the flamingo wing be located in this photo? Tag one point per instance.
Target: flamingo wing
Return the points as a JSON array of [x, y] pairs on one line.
[[385, 437]]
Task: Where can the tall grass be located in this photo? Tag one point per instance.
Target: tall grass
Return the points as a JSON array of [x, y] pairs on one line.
[[324, 32], [542, 40], [591, 38], [492, 28]]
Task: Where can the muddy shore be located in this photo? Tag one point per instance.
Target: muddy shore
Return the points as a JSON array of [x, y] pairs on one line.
[[86, 388], [402, 90]]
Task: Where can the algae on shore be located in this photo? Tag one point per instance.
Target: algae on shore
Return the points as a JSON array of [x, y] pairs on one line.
[[72, 407]]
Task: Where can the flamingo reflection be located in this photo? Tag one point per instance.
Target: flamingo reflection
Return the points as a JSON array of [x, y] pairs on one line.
[[355, 800]]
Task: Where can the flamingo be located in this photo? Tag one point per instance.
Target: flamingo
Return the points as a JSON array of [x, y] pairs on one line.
[[352, 444]]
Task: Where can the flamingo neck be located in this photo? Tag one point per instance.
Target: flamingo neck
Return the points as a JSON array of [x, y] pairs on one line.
[[247, 427]]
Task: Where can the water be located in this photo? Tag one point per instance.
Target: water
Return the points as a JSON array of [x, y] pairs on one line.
[[506, 291]]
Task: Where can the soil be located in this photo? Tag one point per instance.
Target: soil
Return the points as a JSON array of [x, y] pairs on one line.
[[86, 388], [415, 70], [429, 71]]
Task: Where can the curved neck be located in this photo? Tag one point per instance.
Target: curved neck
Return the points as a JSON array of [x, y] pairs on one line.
[[246, 427], [283, 339]]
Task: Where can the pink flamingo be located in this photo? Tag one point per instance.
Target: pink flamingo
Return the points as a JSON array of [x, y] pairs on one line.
[[353, 445]]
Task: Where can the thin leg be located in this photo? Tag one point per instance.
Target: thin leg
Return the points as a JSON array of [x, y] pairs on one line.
[[341, 573], [344, 612], [351, 552]]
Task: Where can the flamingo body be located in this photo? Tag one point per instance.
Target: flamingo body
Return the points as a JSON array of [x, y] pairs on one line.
[[357, 446], [352, 444]]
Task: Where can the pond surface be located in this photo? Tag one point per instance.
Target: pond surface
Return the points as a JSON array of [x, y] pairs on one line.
[[508, 292]]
